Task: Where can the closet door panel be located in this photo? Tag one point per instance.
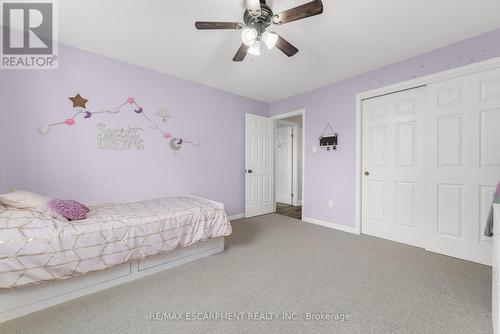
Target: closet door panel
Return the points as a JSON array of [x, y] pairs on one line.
[[393, 166], [463, 163]]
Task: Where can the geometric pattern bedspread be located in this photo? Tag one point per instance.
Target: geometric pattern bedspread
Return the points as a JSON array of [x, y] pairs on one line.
[[35, 248]]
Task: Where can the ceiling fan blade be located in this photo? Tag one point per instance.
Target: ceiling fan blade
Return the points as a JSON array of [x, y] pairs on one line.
[[242, 52], [218, 25], [286, 47], [298, 13]]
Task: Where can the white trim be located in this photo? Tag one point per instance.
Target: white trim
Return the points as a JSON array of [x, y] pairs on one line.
[[295, 161], [432, 78], [236, 217], [359, 165], [283, 123], [299, 203], [335, 226], [409, 84], [291, 114], [295, 165]]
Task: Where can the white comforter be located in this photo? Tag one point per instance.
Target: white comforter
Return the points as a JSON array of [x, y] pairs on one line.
[[35, 248]]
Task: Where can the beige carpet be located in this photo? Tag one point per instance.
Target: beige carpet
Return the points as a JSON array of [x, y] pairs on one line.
[[278, 264]]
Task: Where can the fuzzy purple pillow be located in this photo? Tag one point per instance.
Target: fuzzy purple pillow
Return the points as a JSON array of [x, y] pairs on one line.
[[69, 209]]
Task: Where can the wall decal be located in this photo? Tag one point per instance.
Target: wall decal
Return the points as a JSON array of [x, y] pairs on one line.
[[80, 103], [119, 139], [164, 114]]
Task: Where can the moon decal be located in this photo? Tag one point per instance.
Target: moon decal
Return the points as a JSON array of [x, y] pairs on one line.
[[88, 114], [175, 144]]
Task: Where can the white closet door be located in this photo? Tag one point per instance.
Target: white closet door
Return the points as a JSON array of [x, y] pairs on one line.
[[259, 162], [463, 165], [393, 166]]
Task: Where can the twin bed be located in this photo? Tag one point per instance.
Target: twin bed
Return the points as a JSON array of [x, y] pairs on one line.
[[117, 243]]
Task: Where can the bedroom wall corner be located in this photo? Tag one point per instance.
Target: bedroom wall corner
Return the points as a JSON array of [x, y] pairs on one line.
[[336, 104], [66, 163]]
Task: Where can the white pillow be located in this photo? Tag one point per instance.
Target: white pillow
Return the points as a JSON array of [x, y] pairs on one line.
[[25, 200]]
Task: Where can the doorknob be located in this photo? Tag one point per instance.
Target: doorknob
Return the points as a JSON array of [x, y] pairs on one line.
[[367, 173], [249, 171]]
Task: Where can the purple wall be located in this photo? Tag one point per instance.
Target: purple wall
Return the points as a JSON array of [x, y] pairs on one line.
[[331, 175], [3, 143], [67, 163]]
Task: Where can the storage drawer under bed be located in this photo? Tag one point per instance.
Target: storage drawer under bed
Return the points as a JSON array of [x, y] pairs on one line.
[[178, 254]]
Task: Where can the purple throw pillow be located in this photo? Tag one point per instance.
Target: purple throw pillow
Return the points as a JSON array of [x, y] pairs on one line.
[[69, 209]]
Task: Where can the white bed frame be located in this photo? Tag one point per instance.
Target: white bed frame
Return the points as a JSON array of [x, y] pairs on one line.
[[15, 303]]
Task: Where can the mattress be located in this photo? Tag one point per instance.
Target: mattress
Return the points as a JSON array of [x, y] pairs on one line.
[[35, 248]]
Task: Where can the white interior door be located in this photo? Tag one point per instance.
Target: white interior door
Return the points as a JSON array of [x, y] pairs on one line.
[[284, 163], [259, 165], [464, 163], [393, 166]]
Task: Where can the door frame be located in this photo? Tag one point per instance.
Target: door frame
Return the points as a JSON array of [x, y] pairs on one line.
[[295, 160], [401, 86], [295, 186]]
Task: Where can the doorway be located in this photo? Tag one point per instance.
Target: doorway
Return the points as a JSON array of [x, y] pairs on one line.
[[260, 165], [288, 186]]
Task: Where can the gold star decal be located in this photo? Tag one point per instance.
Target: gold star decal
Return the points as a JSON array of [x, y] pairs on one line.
[[79, 101]]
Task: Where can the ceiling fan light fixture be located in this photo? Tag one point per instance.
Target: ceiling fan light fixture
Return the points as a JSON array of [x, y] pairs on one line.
[[248, 36], [255, 49], [253, 7], [270, 39], [257, 18]]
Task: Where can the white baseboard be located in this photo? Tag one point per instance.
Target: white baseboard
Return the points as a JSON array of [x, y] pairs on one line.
[[235, 217], [348, 229], [299, 203]]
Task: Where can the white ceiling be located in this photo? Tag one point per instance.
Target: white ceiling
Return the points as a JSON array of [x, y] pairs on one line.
[[351, 37]]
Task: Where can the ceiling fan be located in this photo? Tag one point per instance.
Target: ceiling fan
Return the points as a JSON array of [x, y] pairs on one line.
[[257, 18]]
